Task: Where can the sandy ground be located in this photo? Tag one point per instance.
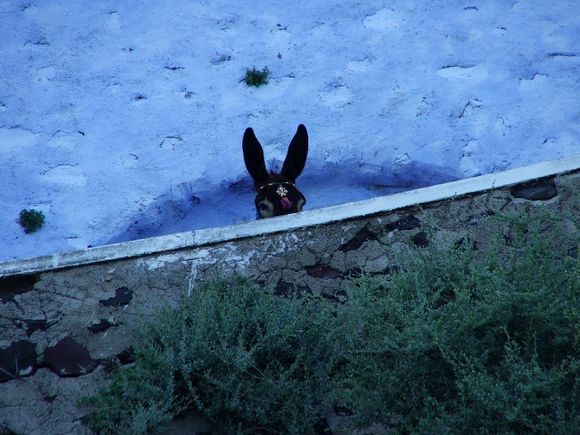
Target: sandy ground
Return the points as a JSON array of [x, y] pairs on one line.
[[122, 120]]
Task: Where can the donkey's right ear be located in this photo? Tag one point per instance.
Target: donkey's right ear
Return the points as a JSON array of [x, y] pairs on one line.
[[254, 157], [297, 153]]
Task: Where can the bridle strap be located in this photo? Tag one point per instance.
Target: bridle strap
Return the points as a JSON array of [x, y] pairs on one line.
[[275, 183], [281, 191]]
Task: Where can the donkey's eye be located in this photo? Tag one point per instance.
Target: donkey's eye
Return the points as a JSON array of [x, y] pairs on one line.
[[299, 204], [266, 208]]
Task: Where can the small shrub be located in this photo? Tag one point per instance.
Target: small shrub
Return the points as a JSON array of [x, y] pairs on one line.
[[464, 341], [255, 77], [31, 220], [247, 360]]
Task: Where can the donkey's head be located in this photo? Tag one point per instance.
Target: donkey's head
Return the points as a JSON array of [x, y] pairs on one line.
[[276, 193]]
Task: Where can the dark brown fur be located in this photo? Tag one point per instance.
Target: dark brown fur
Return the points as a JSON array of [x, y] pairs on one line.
[[276, 194]]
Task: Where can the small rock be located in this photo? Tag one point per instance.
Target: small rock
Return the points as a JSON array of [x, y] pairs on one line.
[[67, 358], [32, 325], [356, 272], [357, 241], [409, 222], [420, 239], [17, 360], [539, 191], [13, 285], [123, 296], [324, 272], [102, 326], [126, 356]]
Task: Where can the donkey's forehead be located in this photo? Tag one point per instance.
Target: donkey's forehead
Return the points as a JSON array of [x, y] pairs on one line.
[[278, 191]]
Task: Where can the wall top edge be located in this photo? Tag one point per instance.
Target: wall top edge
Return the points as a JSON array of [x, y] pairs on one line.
[[348, 211]]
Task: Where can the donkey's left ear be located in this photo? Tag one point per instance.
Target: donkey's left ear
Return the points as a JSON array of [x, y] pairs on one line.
[[254, 157], [297, 153]]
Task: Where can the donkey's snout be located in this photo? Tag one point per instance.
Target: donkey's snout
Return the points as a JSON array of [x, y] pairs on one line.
[[286, 203]]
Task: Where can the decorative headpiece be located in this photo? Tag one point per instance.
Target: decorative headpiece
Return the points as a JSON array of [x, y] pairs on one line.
[[282, 192]]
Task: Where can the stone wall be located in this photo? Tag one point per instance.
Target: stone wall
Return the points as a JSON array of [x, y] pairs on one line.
[[61, 329]]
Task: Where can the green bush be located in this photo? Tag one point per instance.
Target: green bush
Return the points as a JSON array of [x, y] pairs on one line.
[[255, 77], [31, 220], [246, 359], [459, 340], [464, 341]]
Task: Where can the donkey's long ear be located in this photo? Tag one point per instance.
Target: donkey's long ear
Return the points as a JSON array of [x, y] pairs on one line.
[[254, 157], [297, 153]]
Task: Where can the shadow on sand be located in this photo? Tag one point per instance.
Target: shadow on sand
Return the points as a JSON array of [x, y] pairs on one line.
[[187, 207]]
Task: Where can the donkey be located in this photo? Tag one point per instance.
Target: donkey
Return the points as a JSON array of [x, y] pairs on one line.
[[276, 194]]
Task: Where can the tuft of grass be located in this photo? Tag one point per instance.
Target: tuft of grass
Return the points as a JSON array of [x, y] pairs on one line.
[[31, 220], [458, 340], [255, 77]]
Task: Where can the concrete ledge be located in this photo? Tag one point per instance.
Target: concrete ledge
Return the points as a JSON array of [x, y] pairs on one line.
[[310, 218]]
